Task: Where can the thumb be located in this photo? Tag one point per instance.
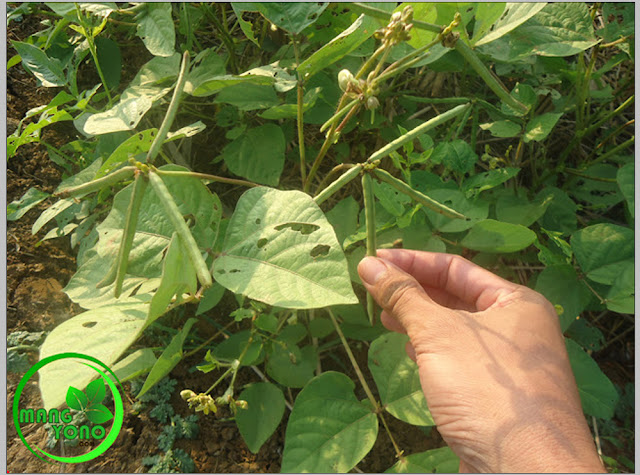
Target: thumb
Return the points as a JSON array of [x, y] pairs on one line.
[[401, 295]]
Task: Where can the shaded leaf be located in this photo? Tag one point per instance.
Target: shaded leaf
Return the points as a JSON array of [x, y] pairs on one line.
[[441, 460], [263, 415], [17, 209], [495, 237], [137, 363], [540, 127], [514, 15], [155, 28], [47, 70]]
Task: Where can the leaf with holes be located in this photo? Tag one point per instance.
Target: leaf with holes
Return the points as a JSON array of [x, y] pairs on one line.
[[292, 17], [397, 379], [104, 333], [329, 430], [280, 249]]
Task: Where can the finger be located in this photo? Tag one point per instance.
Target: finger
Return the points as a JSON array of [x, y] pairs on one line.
[[391, 323], [402, 297], [411, 351], [454, 274]]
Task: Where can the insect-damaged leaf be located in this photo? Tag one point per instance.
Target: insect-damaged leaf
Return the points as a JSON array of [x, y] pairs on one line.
[[280, 249]]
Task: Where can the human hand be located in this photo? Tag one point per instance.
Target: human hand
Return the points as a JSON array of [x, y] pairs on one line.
[[492, 362]]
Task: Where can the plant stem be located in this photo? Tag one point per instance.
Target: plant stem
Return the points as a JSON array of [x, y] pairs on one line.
[[205, 176], [378, 409], [336, 169], [419, 130], [300, 112], [219, 380], [334, 118], [370, 218], [95, 185], [171, 111], [614, 150], [200, 347]]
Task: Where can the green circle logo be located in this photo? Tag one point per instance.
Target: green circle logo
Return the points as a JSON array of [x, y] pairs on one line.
[[89, 402]]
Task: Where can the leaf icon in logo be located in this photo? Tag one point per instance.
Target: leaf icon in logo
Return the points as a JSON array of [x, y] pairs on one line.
[[76, 399], [96, 391], [98, 414]]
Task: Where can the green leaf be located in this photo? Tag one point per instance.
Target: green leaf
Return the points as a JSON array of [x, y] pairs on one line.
[[397, 380], [17, 209], [292, 17], [486, 16], [212, 363], [169, 358], [155, 28], [248, 97], [51, 212], [123, 116], [232, 348], [47, 70], [514, 14], [476, 210], [441, 460], [329, 430], [561, 286], [104, 333], [137, 363], [518, 210], [291, 366], [561, 213], [258, 154], [320, 327], [621, 296], [134, 145], [340, 46], [76, 399], [210, 298], [597, 392], [178, 277], [598, 194], [110, 60], [502, 128], [540, 127], [495, 237], [262, 417], [344, 218], [281, 250], [457, 155], [601, 249], [390, 198], [153, 235], [99, 414], [480, 182], [625, 178], [245, 26], [289, 111], [96, 391], [560, 29]]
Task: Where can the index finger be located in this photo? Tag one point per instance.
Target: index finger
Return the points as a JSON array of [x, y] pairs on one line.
[[451, 273]]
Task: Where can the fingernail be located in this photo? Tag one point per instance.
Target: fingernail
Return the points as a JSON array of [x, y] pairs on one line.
[[371, 269]]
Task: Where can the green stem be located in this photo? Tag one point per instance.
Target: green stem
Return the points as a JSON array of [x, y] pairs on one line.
[[205, 176], [367, 65], [370, 218], [339, 183], [171, 111], [614, 150], [203, 345], [96, 185], [220, 379], [300, 113], [575, 172], [419, 130], [338, 115], [491, 80], [416, 195], [338, 168], [377, 408], [407, 61]]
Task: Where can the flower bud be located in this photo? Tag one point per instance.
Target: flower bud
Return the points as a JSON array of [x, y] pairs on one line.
[[372, 103], [242, 404], [187, 394], [397, 16], [344, 78]]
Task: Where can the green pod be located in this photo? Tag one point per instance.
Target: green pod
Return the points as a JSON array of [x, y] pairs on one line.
[[96, 185], [415, 195], [139, 187], [174, 215], [416, 132], [370, 217], [345, 178]]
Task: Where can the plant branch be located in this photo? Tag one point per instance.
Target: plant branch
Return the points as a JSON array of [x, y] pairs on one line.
[[206, 176]]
